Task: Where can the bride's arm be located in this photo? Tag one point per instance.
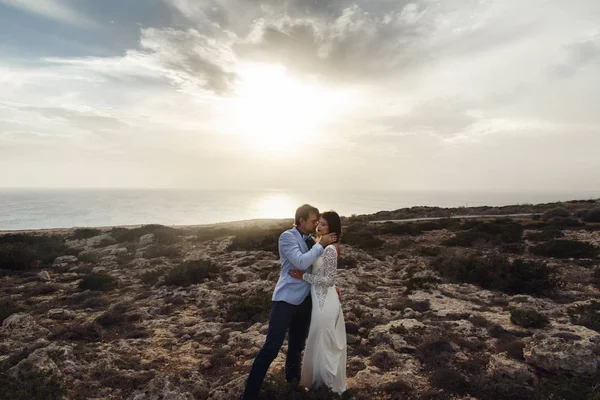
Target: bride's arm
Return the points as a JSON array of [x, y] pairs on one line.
[[329, 269]]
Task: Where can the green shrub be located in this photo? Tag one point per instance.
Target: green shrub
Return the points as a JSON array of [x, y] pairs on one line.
[[528, 318], [435, 351], [362, 238], [251, 308], [421, 282], [20, 252], [498, 272], [430, 251], [347, 263], [253, 239], [101, 282], [450, 380], [495, 232], [556, 212], [275, 387], [592, 215], [85, 332], [565, 249], [545, 234], [513, 347], [587, 315], [191, 272], [29, 386], [7, 308], [85, 233], [156, 251], [384, 360], [565, 387], [162, 234], [151, 277]]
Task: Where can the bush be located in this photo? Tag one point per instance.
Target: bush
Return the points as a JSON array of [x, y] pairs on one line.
[[513, 347], [85, 233], [421, 282], [33, 385], [592, 215], [151, 277], [435, 351], [156, 251], [450, 380], [565, 249], [251, 309], [497, 231], [346, 263], [253, 239], [556, 212], [162, 234], [361, 237], [276, 388], [528, 318], [498, 272], [384, 360], [88, 332], [101, 282], [7, 308], [430, 251], [191, 272], [587, 315], [19, 252], [566, 387], [545, 234]]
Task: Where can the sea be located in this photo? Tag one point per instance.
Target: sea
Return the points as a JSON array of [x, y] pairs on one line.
[[23, 209]]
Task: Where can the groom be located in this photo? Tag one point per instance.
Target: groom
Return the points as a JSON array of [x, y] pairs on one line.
[[292, 304]]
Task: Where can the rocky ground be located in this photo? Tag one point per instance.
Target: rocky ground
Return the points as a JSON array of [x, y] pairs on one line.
[[448, 309]]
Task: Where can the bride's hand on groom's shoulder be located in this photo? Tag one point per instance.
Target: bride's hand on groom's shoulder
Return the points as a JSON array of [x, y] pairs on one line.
[[298, 274], [339, 292]]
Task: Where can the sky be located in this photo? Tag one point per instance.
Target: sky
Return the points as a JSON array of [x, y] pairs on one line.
[[318, 95]]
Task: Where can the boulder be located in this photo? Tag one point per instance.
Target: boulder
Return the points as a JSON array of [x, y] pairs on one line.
[[556, 354]]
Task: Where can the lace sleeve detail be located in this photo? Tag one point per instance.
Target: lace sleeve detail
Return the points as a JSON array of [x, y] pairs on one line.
[[327, 278]]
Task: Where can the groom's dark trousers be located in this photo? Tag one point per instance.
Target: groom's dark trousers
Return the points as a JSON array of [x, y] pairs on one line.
[[284, 317]]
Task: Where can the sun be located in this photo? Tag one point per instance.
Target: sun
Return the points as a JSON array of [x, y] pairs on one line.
[[274, 111]]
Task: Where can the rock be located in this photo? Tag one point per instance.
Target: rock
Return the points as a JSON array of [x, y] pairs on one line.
[[559, 355], [99, 240], [118, 251], [505, 368], [160, 388], [64, 261], [24, 326], [61, 314], [147, 239], [41, 360], [44, 276]]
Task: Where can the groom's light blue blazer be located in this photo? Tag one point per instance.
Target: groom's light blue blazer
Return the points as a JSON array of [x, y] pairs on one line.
[[294, 254]]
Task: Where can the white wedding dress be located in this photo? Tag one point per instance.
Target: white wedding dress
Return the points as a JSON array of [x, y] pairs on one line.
[[324, 362]]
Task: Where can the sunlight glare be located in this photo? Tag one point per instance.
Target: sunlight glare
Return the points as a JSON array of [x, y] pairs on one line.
[[276, 205], [274, 111]]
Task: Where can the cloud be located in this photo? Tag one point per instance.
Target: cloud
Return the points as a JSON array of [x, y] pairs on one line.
[[187, 58], [56, 10]]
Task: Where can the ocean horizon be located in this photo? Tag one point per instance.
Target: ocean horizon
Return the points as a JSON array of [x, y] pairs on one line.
[[22, 209]]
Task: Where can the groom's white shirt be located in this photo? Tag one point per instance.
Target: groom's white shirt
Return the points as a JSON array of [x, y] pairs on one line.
[[294, 254]]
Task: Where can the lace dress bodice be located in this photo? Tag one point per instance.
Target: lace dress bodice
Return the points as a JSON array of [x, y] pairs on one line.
[[324, 273]]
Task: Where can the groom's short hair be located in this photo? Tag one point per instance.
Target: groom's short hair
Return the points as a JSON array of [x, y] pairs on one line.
[[304, 212]]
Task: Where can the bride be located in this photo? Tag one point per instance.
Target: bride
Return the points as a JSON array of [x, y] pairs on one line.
[[324, 362]]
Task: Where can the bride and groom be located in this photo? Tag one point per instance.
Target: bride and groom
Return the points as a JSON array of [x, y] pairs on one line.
[[306, 305]]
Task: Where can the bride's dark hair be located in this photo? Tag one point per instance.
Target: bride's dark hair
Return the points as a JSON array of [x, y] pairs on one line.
[[334, 222]]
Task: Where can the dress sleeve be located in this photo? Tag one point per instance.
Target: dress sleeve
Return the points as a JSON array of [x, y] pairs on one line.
[[327, 278]]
